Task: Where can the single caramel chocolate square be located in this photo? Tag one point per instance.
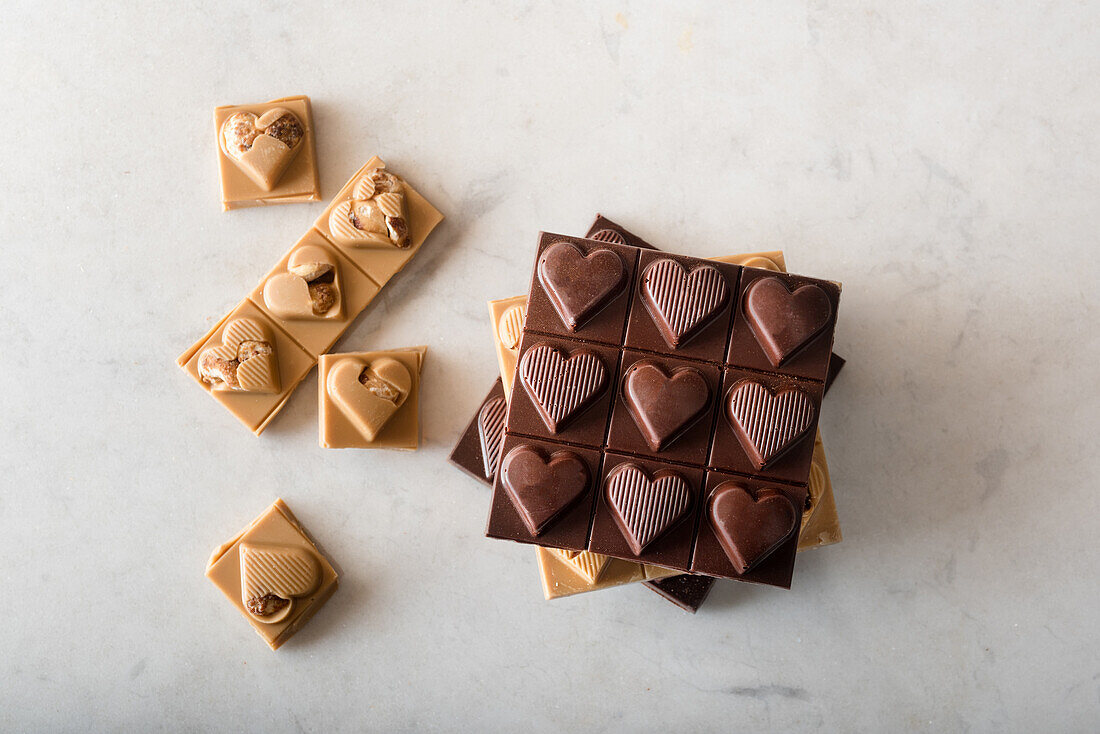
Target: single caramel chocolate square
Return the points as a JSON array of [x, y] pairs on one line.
[[565, 573], [378, 221], [274, 574], [507, 317], [266, 153], [370, 400], [820, 524], [248, 364], [314, 293]]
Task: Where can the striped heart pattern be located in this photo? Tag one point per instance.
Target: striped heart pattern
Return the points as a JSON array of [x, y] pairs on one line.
[[644, 508], [272, 576], [560, 386], [682, 303], [259, 372], [586, 563], [768, 424], [490, 431]]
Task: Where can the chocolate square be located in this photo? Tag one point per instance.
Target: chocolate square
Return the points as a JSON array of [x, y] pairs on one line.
[[467, 454]]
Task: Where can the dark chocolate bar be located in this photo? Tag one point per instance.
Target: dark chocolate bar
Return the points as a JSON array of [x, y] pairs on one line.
[[686, 591], [478, 449]]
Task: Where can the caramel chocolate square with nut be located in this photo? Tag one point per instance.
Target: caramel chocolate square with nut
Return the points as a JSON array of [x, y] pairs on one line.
[[314, 293], [370, 400], [274, 574], [266, 153], [378, 221], [248, 364]]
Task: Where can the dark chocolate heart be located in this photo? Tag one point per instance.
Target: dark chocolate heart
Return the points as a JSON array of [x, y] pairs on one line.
[[664, 405], [608, 235], [767, 423], [542, 488], [646, 509], [580, 285], [490, 429], [682, 303], [783, 322], [749, 528], [561, 388]]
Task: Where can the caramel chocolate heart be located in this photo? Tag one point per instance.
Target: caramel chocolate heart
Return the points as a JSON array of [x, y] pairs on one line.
[[310, 289], [510, 326], [749, 529], [644, 508], [541, 487], [271, 578], [374, 214], [664, 405], [369, 395], [784, 322], [768, 424], [490, 430], [587, 564], [561, 387], [580, 285], [682, 303], [245, 361], [262, 147]]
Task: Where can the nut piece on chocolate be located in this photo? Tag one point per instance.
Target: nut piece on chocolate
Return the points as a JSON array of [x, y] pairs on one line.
[[213, 369], [322, 297], [286, 129], [266, 605], [249, 349]]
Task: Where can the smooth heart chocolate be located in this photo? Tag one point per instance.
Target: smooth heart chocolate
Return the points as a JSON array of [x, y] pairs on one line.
[[490, 430], [374, 214], [682, 303], [561, 387], [783, 322], [246, 139], [272, 576], [663, 404], [287, 295], [542, 488], [369, 395], [768, 424], [749, 528], [257, 373], [580, 285], [644, 508]]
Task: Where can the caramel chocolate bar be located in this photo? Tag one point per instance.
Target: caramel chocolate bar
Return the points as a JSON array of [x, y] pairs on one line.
[[370, 400], [266, 153], [274, 574], [310, 298], [617, 335]]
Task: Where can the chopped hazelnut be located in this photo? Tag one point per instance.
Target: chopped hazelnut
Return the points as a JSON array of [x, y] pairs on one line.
[[398, 231], [239, 132], [377, 387], [322, 296], [384, 182], [286, 129], [249, 349], [213, 369], [266, 605], [310, 272]]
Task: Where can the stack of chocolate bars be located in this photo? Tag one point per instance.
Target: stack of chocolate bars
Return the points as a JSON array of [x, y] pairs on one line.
[[656, 417]]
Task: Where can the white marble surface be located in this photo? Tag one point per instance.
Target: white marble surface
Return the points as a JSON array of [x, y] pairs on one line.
[[940, 159]]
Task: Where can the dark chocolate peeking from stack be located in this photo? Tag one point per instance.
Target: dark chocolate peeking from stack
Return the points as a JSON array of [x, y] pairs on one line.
[[663, 374]]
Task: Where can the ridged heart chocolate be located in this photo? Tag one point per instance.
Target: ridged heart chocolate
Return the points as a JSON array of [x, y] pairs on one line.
[[589, 565], [561, 387], [664, 404], [682, 303], [580, 285], [271, 578], [644, 508], [490, 431], [542, 487], [782, 321], [766, 423], [750, 528]]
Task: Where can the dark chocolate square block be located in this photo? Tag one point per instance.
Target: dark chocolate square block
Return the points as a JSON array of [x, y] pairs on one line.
[[691, 298], [586, 425], [647, 507], [570, 529], [792, 463], [663, 408], [604, 230], [485, 430], [811, 359], [580, 278], [710, 558]]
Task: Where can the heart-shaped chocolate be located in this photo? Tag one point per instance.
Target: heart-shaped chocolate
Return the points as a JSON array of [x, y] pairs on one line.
[[608, 235], [510, 326], [767, 424], [663, 404], [310, 289], [272, 576], [541, 487], [561, 387], [245, 361], [587, 564], [784, 322], [580, 285], [682, 303], [368, 395], [262, 147], [644, 508], [749, 528], [374, 214], [490, 429]]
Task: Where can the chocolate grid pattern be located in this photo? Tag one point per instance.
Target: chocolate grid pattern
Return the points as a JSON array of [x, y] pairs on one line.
[[795, 488]]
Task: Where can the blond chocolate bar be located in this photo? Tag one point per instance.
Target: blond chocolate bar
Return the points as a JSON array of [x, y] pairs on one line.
[[370, 400], [274, 574], [266, 153], [585, 571]]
